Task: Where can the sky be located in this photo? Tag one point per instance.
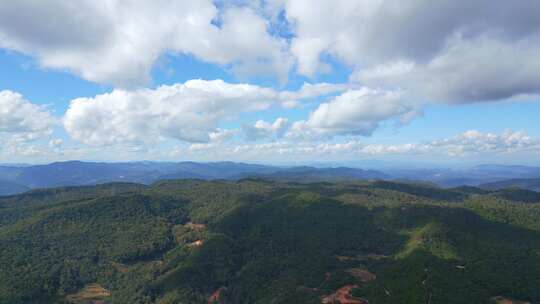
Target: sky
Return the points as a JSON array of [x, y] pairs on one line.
[[283, 81]]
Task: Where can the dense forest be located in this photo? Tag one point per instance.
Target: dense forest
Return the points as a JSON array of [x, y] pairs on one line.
[[261, 241]]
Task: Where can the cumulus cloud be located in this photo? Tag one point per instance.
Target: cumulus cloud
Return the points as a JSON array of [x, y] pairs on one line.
[[403, 54], [221, 135], [291, 99], [469, 144], [474, 142], [188, 112], [377, 149], [55, 143], [118, 42], [483, 70], [265, 130], [288, 148], [355, 112], [277, 150], [21, 120], [451, 50]]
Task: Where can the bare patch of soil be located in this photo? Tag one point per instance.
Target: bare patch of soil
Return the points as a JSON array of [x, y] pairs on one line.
[[215, 297], [197, 243], [92, 293], [503, 300], [343, 296], [363, 274]]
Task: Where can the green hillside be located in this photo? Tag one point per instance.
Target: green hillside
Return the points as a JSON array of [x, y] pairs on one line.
[[257, 241]]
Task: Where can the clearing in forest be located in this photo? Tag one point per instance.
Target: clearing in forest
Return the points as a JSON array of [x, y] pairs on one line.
[[90, 293]]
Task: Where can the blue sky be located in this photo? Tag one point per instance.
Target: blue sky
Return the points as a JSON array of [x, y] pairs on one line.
[[268, 81]]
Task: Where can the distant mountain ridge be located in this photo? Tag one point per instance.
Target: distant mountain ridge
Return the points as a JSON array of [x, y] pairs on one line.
[[77, 173], [523, 183], [20, 178], [8, 188], [474, 176], [310, 174]]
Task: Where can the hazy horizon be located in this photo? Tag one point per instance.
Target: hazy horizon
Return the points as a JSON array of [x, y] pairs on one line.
[[372, 164]]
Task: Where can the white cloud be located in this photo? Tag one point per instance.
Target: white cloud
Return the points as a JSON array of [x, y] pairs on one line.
[[189, 112], [21, 120], [23, 126], [221, 135], [291, 99], [377, 149], [355, 112], [475, 142], [467, 71], [404, 54], [55, 143], [366, 31], [117, 42], [216, 139], [468, 145], [450, 50], [281, 150], [265, 130], [23, 150]]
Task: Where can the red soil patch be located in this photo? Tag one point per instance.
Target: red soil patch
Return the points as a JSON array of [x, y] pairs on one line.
[[90, 293], [197, 243], [343, 296], [363, 274], [503, 300], [215, 297]]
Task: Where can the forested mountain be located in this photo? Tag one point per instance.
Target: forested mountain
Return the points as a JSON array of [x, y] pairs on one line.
[[263, 241], [310, 174], [523, 183], [473, 176], [76, 173], [17, 179]]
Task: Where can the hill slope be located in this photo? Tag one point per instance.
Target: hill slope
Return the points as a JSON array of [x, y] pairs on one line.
[[257, 241]]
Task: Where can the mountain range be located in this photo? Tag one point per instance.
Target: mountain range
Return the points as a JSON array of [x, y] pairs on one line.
[[19, 178], [524, 183]]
